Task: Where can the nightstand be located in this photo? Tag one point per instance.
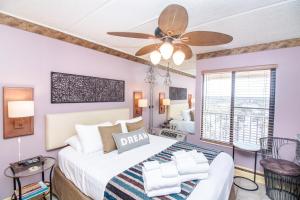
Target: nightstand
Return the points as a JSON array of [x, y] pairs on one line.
[[32, 190]]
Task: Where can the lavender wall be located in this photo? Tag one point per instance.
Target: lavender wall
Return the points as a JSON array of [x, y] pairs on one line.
[[27, 59], [287, 109]]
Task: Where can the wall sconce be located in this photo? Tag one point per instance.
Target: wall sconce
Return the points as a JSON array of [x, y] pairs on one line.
[[137, 104], [166, 103], [162, 108], [18, 110], [190, 101]]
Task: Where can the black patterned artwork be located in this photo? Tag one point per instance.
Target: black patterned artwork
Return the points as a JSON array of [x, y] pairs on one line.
[[176, 93], [71, 88]]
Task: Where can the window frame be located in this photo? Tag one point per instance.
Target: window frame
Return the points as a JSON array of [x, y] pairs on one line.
[[272, 68]]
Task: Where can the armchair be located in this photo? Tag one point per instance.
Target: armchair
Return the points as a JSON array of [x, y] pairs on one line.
[[280, 160]]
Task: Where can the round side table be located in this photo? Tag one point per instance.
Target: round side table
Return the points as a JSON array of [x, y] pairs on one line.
[[249, 148], [47, 163]]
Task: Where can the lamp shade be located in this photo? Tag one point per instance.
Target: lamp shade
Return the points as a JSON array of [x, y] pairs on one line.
[[155, 57], [166, 102], [193, 100], [142, 103], [166, 50], [17, 109], [178, 57]]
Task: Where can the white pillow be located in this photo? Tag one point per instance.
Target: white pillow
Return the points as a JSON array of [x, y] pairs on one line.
[[89, 137], [186, 115], [123, 123], [74, 143]]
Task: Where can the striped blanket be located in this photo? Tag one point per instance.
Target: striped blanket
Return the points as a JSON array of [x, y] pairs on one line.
[[129, 184]]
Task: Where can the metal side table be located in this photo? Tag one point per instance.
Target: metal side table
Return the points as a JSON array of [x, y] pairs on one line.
[[47, 164], [249, 148]]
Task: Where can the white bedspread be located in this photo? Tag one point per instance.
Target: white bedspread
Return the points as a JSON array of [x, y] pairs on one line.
[[91, 173], [185, 126]]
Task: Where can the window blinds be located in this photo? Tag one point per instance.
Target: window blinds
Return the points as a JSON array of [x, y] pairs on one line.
[[216, 106], [238, 106]]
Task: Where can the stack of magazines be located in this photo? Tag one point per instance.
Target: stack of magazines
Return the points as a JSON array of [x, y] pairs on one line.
[[32, 190]]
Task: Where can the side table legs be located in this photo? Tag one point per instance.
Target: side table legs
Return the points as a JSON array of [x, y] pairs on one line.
[[19, 188], [253, 181], [255, 166]]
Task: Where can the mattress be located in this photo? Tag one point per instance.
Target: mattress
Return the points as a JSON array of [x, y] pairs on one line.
[[90, 173], [185, 126]]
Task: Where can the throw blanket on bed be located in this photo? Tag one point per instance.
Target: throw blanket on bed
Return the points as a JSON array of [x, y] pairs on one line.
[[129, 184]]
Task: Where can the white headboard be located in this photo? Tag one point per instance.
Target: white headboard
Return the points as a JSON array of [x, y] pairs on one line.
[[174, 110], [60, 127]]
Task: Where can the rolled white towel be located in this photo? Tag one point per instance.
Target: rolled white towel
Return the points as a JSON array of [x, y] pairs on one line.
[[188, 165], [190, 177], [180, 154], [163, 191], [151, 165], [154, 181], [199, 157], [168, 169]]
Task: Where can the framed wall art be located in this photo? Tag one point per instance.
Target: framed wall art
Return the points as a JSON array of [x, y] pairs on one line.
[[71, 88], [176, 93]]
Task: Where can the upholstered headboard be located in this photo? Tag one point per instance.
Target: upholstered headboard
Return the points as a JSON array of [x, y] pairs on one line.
[[174, 110], [60, 127]]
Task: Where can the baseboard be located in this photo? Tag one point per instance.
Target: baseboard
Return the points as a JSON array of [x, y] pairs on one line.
[[248, 173]]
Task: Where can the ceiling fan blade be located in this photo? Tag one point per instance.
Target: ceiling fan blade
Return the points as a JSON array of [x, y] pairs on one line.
[[132, 35], [147, 49], [173, 20], [205, 38], [185, 48]]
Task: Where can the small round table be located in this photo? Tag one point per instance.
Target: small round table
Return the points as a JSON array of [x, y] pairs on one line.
[[249, 148], [47, 163]]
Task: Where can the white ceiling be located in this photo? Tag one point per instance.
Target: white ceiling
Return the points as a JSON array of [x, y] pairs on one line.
[[248, 21]]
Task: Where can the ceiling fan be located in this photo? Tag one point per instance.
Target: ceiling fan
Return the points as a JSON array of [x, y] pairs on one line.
[[172, 24]]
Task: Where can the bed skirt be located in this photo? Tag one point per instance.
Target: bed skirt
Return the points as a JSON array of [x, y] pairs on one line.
[[64, 189]]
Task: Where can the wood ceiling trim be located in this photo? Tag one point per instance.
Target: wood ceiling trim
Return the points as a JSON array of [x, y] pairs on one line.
[[252, 48], [48, 32]]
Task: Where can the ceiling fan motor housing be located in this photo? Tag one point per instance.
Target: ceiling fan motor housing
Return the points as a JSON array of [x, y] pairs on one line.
[[160, 34]]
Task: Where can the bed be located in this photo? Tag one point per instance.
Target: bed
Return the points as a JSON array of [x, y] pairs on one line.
[[177, 123], [82, 176]]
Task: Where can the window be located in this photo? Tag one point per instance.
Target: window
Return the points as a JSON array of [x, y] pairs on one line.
[[238, 105]]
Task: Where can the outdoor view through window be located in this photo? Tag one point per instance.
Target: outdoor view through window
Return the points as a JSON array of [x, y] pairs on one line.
[[236, 105]]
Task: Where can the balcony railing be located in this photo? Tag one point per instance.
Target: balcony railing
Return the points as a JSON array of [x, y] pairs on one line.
[[248, 127]]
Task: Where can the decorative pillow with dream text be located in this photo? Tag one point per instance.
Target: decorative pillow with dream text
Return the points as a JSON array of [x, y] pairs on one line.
[[131, 140]]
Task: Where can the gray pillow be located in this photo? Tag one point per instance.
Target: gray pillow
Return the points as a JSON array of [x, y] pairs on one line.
[[131, 140]]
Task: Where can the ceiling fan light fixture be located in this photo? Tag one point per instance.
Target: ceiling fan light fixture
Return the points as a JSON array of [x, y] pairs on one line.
[[155, 57], [166, 50], [178, 57]]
